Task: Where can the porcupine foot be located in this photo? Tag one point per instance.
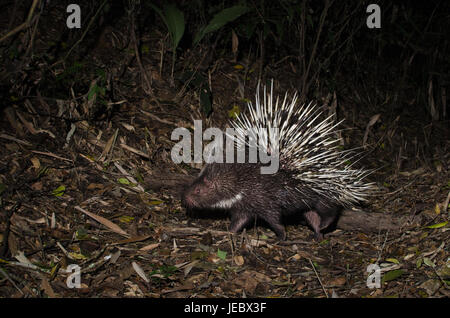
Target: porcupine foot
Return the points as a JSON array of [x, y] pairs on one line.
[[279, 231], [318, 223], [275, 225], [240, 220], [313, 219]]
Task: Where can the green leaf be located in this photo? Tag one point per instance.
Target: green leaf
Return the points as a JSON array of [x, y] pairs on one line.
[[139, 177], [419, 262], [124, 181], [324, 242], [428, 262], [392, 260], [174, 20], [221, 254], [59, 191], [77, 256], [234, 112], [92, 92], [155, 202], [392, 275], [101, 73], [220, 19], [95, 90], [81, 233], [436, 226], [175, 23], [201, 255], [126, 219]]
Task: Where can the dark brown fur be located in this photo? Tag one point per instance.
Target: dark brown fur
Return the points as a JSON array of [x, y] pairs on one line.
[[251, 195]]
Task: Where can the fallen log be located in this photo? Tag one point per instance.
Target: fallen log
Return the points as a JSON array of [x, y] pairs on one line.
[[351, 220]]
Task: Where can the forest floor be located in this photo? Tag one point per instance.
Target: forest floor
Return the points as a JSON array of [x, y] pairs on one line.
[[90, 194], [88, 203]]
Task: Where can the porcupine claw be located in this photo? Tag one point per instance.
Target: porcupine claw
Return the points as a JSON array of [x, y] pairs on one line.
[[318, 237], [279, 231]]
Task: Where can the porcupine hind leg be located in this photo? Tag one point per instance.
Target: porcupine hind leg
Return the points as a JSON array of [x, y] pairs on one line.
[[320, 218]]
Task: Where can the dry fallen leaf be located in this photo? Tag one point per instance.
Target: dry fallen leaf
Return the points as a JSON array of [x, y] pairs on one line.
[[149, 247], [337, 281], [48, 288], [113, 227], [140, 272], [36, 163], [238, 260]]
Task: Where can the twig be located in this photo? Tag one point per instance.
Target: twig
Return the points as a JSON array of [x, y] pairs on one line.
[[23, 25], [158, 119], [64, 251], [318, 278], [19, 141], [382, 247], [134, 150], [446, 202], [51, 155], [33, 33], [129, 177], [29, 266], [10, 280], [147, 89]]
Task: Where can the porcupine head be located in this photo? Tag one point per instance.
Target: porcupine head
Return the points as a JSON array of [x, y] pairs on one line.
[[217, 186], [238, 190], [209, 188]]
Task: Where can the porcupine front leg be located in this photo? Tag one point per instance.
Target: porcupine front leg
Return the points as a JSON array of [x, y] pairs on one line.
[[273, 220], [238, 221], [279, 230]]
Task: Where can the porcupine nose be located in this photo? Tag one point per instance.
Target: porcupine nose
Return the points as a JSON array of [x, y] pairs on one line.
[[186, 201]]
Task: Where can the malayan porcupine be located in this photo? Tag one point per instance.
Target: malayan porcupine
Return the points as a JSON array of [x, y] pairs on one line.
[[313, 180]]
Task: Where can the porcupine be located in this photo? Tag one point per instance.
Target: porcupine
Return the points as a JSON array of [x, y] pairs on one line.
[[313, 179]]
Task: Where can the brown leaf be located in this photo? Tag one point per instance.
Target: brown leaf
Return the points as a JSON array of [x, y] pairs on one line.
[[133, 239], [238, 260], [93, 186], [149, 247], [113, 227], [338, 281], [249, 280], [37, 186], [48, 288]]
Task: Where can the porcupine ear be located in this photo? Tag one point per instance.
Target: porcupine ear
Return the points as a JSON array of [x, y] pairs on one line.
[[207, 181]]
